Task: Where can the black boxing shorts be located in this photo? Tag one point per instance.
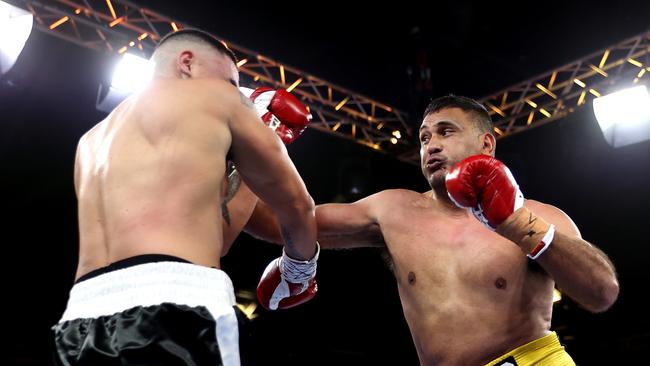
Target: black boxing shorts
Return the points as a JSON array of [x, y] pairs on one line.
[[150, 310]]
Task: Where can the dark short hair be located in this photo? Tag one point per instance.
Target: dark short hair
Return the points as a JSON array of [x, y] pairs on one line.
[[201, 36], [482, 120]]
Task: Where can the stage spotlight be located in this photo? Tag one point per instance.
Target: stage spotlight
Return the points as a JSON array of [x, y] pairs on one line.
[[15, 27], [131, 75], [624, 116]]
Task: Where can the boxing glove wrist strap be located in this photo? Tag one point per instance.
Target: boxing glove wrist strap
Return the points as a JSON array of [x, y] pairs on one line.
[[530, 232], [297, 271]]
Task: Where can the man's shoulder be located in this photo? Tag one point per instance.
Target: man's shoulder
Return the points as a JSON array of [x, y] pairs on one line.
[[553, 215], [91, 133], [393, 196], [401, 192]]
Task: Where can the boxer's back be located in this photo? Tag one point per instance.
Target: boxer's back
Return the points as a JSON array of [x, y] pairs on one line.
[[149, 177]]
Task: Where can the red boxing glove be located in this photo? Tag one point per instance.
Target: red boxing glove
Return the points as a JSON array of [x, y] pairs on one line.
[[282, 112], [288, 282], [486, 186]]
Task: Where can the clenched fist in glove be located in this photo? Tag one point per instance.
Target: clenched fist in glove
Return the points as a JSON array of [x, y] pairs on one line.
[[288, 282], [281, 111], [486, 186]]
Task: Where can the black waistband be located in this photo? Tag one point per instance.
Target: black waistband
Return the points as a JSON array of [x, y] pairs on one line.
[[130, 262]]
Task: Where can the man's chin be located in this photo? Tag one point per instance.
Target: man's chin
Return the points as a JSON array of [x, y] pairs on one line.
[[437, 179]]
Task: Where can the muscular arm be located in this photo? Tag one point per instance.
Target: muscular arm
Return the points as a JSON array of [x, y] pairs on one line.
[[349, 225], [264, 165], [580, 270], [339, 225]]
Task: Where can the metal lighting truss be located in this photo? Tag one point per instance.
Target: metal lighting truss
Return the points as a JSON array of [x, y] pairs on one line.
[[122, 26], [563, 90]]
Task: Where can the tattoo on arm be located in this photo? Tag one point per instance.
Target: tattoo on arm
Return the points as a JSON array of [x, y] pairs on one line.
[[233, 186], [234, 181], [288, 241], [225, 213]]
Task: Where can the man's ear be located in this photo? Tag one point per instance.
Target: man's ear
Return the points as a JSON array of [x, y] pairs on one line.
[[488, 143], [184, 63]]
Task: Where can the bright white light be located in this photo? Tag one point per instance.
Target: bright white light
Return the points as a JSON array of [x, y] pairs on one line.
[[625, 107], [132, 73], [15, 27], [624, 116]]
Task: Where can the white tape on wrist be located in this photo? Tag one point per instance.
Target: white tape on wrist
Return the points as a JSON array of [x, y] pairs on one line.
[[544, 244], [297, 271]]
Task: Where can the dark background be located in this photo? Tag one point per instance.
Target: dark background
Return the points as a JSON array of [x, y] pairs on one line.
[[472, 48]]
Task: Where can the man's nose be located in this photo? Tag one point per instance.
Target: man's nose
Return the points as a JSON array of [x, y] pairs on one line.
[[434, 147]]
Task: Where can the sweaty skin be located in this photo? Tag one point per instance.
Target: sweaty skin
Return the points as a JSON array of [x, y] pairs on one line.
[[149, 178], [469, 295]]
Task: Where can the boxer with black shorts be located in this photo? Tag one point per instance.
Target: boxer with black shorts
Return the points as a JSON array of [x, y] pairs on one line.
[[150, 182]]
